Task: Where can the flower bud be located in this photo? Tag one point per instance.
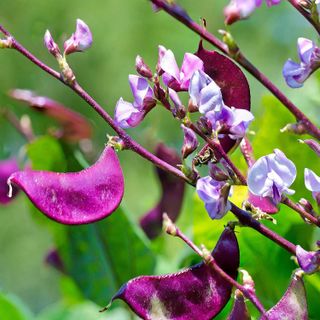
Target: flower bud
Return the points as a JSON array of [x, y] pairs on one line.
[[190, 142], [142, 68], [306, 205], [309, 261], [204, 125], [51, 45], [217, 173], [80, 40]]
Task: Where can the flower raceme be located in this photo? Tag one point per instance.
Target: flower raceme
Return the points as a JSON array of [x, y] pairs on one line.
[[296, 73], [271, 176]]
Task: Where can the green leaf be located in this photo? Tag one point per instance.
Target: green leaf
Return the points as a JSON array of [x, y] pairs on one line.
[[100, 257], [12, 308], [46, 153]]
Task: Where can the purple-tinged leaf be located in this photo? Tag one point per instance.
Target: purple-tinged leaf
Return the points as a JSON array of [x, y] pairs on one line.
[[293, 304], [232, 81], [172, 195], [239, 310], [79, 197], [194, 293], [74, 126], [7, 168]]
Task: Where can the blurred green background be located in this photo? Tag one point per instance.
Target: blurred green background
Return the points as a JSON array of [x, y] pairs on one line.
[[123, 29]]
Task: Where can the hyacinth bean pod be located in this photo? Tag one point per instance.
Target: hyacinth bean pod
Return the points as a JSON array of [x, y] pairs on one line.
[[232, 81], [239, 310], [7, 167], [75, 198], [194, 293], [293, 304]]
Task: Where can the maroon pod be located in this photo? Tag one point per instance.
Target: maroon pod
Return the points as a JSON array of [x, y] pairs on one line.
[[74, 126], [172, 190], [79, 197], [232, 81], [293, 304], [191, 294], [239, 310], [7, 168]]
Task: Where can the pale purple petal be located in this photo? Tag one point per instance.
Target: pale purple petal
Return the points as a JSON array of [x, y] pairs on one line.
[[311, 180], [140, 89], [78, 197], [50, 44], [191, 63], [238, 9], [175, 98], [215, 196], [295, 74], [240, 122], [169, 65], [305, 49], [126, 115]]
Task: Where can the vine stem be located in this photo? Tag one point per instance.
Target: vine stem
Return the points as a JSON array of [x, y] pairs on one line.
[[296, 4], [178, 13], [134, 146], [75, 86], [173, 230]]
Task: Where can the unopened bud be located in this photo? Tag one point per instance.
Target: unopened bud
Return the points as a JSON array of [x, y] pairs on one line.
[[306, 205], [297, 128], [190, 142], [51, 45], [168, 226], [204, 125], [142, 68], [149, 103], [217, 173], [314, 145]]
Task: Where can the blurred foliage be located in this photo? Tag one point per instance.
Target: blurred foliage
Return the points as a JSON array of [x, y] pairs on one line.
[[123, 29]]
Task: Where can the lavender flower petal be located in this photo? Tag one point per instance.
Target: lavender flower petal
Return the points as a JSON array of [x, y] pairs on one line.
[[140, 89], [311, 180], [190, 142], [194, 293], [309, 261], [75, 198]]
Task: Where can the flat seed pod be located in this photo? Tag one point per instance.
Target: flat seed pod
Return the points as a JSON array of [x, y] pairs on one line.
[[232, 81], [74, 126], [7, 167], [78, 197], [172, 192], [293, 304], [191, 294]]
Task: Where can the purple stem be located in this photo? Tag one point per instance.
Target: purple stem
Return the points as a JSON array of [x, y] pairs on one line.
[[128, 141], [243, 216], [179, 14], [296, 4], [212, 263]]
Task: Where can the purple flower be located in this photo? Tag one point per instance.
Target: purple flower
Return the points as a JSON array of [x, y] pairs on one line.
[[205, 93], [312, 182], [173, 77], [238, 10], [232, 121], [309, 261], [131, 114], [190, 142], [51, 45], [215, 196], [296, 73], [271, 176], [7, 167], [268, 2], [80, 40]]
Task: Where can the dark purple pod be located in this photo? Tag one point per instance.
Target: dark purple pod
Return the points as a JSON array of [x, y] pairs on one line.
[[194, 293], [78, 197], [239, 310], [232, 81], [74, 126], [172, 192], [7, 168], [293, 304]]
